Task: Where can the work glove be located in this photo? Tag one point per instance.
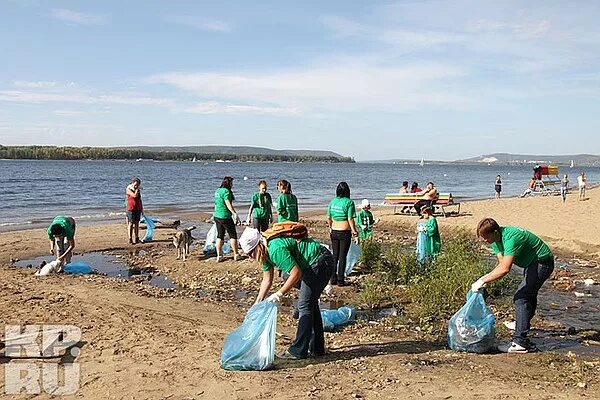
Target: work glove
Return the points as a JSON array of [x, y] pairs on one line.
[[275, 297], [477, 285]]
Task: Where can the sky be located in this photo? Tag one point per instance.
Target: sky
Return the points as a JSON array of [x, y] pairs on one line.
[[431, 79]]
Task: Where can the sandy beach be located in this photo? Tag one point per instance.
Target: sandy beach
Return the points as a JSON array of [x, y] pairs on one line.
[[142, 342]]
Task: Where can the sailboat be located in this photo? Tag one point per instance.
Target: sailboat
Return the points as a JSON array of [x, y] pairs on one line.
[[422, 162], [194, 160], [572, 164]]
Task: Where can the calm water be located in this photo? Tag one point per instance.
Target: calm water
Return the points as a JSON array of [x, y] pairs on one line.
[[35, 191]]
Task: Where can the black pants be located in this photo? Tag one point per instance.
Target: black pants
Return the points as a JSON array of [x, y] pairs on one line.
[[525, 299], [340, 244], [422, 203], [262, 224]]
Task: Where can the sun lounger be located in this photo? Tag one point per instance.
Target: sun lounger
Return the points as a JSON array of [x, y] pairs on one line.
[[407, 200]]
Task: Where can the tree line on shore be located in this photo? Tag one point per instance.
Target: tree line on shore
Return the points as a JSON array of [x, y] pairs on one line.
[[112, 153]]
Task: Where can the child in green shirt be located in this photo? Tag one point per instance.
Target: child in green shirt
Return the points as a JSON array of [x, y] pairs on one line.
[[433, 243], [365, 221]]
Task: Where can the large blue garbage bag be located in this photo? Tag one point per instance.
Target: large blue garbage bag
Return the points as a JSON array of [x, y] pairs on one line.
[[421, 245], [149, 228], [352, 258], [252, 345], [211, 240], [77, 267], [471, 329], [334, 318]]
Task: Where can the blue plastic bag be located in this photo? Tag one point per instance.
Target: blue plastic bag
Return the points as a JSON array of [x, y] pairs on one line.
[[334, 318], [352, 258], [421, 245], [211, 240], [77, 267], [471, 329], [149, 228], [252, 345]]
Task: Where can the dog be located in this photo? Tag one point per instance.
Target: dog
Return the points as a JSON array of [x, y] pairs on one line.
[[48, 268], [182, 240]]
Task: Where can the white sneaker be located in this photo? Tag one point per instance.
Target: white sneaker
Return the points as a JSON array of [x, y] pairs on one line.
[[512, 325], [515, 348]]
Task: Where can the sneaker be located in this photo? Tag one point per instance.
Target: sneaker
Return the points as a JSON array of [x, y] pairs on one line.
[[516, 348], [512, 325], [286, 355]]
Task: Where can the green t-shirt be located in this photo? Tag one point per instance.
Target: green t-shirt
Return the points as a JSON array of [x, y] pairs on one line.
[[221, 210], [341, 209], [522, 244], [261, 205], [287, 208], [434, 242], [364, 222], [284, 253], [66, 225]]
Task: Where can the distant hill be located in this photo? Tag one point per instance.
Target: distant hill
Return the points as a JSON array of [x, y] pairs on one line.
[[238, 150], [159, 153], [506, 158]]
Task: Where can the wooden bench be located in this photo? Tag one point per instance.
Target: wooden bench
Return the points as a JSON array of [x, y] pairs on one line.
[[408, 200]]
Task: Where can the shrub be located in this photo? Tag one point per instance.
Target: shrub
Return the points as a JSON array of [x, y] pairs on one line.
[[399, 265], [371, 253], [375, 292]]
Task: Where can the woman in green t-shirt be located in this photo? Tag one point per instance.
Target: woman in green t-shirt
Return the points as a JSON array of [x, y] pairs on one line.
[[514, 245], [340, 217], [287, 203], [260, 213], [225, 218], [309, 265]]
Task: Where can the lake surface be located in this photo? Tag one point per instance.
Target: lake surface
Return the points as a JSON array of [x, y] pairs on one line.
[[33, 192]]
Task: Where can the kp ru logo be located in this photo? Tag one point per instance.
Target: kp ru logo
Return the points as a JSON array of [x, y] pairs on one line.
[[42, 359]]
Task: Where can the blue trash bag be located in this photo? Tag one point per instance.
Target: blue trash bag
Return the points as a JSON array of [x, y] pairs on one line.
[[334, 318], [421, 245], [149, 228], [352, 258], [77, 267], [471, 329], [251, 346], [211, 240]]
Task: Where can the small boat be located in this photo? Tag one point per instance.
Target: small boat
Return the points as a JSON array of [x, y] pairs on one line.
[[194, 160], [422, 162], [572, 165], [219, 160], [139, 159]]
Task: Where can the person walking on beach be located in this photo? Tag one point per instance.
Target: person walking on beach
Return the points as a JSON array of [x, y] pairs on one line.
[[564, 186], [61, 233], [581, 182], [498, 186], [340, 218], [287, 203], [430, 195], [309, 266], [433, 242], [514, 245], [225, 218], [260, 213], [134, 210], [365, 221]]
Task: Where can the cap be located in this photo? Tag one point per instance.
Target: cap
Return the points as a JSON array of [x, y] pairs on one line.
[[249, 239], [365, 203]]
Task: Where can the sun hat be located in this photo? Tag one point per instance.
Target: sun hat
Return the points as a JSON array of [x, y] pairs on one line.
[[249, 239], [365, 203]]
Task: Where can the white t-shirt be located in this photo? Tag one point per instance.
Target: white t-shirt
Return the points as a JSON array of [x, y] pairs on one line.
[[580, 181]]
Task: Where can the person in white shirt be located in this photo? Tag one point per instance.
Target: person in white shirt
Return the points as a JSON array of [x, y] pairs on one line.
[[581, 182]]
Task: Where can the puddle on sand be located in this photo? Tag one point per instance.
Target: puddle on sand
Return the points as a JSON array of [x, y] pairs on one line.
[[109, 265], [570, 310]]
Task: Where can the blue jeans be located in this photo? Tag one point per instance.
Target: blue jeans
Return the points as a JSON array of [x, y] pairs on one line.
[[525, 299], [309, 336]]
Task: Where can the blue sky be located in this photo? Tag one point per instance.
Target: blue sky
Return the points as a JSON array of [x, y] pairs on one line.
[[368, 79]]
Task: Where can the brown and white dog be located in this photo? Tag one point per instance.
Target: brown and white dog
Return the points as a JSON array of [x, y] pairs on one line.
[[182, 240]]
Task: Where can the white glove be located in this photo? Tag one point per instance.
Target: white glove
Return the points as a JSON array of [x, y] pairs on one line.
[[478, 284], [275, 297]]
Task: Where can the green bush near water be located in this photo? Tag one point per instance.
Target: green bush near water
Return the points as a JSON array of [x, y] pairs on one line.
[[371, 253], [437, 288]]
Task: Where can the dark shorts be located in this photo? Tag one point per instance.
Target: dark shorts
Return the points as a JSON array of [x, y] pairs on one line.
[[498, 188], [260, 224], [225, 224], [134, 216]]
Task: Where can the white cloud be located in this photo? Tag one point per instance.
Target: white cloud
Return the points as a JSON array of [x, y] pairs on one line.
[[214, 107], [205, 24], [408, 40], [35, 84], [343, 27], [78, 18], [18, 96], [67, 113]]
